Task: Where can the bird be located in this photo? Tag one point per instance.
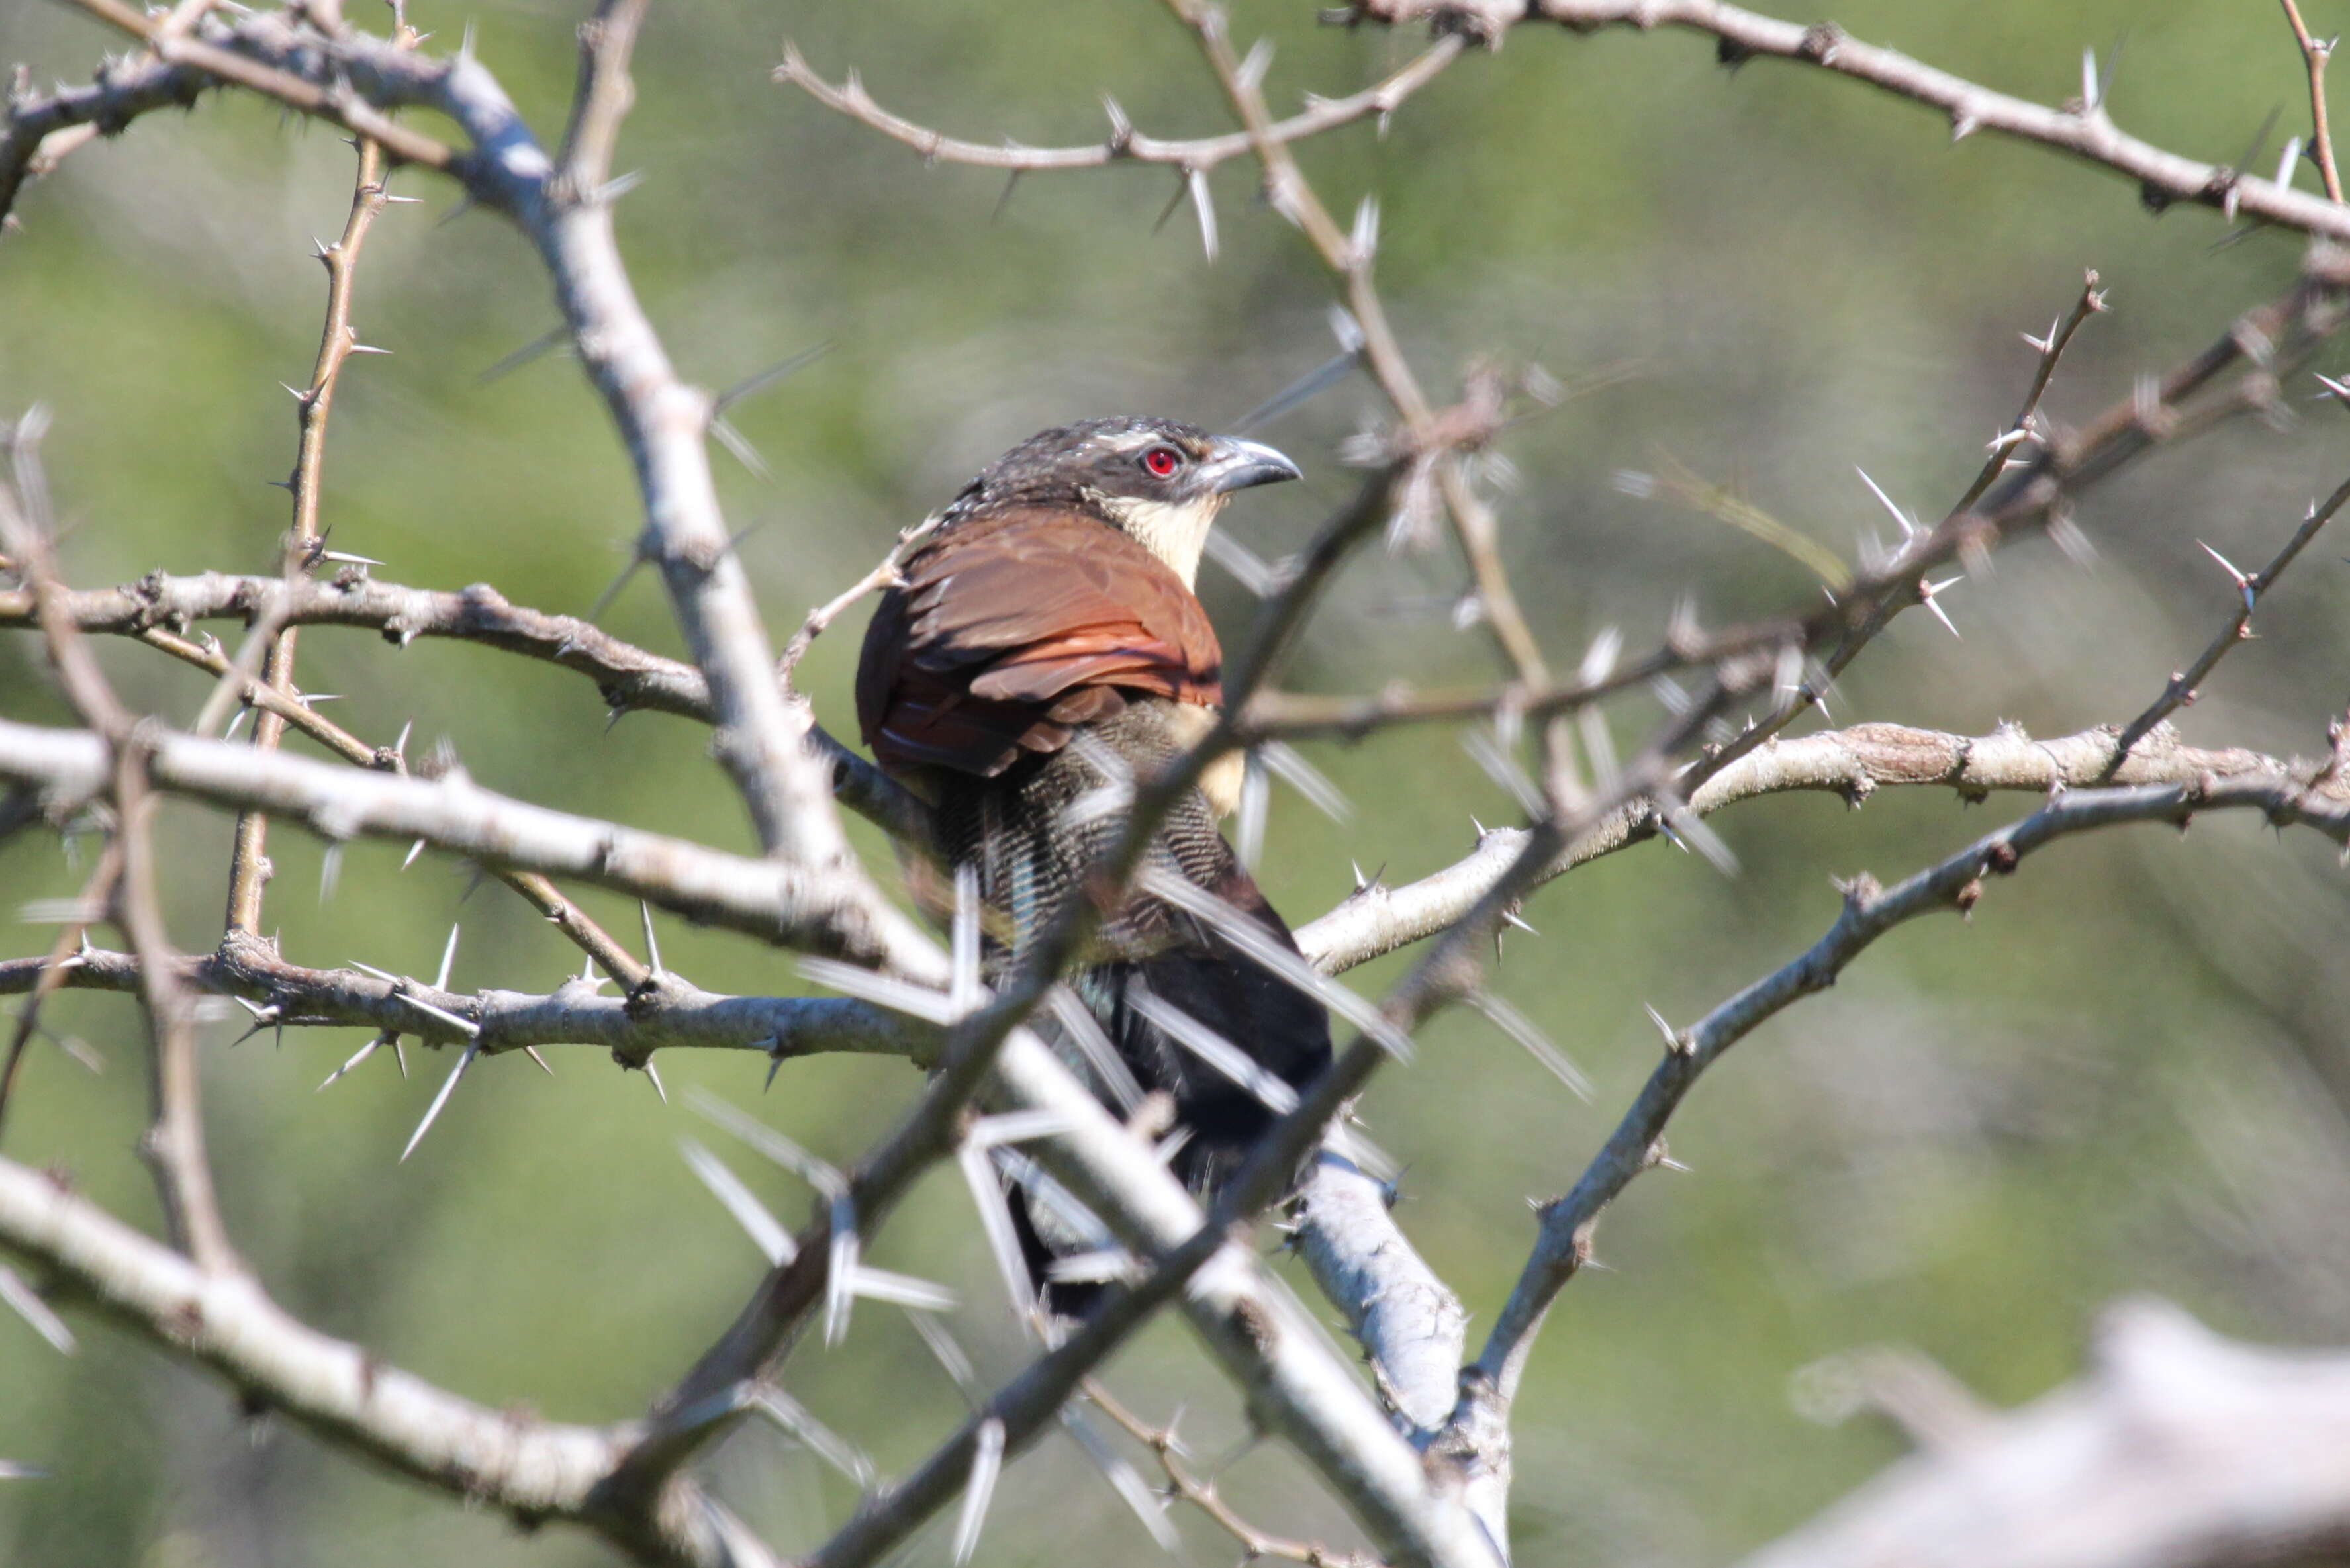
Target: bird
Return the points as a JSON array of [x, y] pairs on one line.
[[1043, 646]]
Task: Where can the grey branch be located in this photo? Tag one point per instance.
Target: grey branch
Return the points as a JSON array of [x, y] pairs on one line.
[[668, 1014], [294, 86], [628, 678], [1409, 1321], [353, 78], [1376, 920], [1853, 762], [40, 129], [798, 906], [1125, 144], [2184, 686], [2177, 1449], [1273, 1354], [2082, 130], [2317, 797], [531, 1468], [761, 735]]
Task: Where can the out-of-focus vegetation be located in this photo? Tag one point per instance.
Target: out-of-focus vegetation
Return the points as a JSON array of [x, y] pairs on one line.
[[2127, 1074]]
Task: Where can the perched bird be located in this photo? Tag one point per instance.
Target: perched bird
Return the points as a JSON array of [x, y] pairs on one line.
[[1043, 648]]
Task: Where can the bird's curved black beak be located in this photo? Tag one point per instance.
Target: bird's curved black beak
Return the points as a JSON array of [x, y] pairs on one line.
[[1236, 465]]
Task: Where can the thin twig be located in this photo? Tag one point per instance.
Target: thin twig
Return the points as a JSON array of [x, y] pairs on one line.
[[884, 574], [284, 703], [2313, 56], [2185, 685], [2021, 428], [1201, 1492], [174, 1144], [1125, 144], [580, 929], [97, 895], [541, 894], [248, 857]]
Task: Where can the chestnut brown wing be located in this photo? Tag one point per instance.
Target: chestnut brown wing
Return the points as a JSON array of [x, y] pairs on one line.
[[1014, 628]]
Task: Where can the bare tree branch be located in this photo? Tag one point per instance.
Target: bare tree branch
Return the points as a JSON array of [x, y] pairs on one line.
[[787, 903], [1411, 1326], [886, 573], [1852, 764], [1126, 144], [2080, 128], [628, 678], [2185, 684], [2313, 56], [2319, 799], [1201, 1491], [174, 1144], [40, 129], [2176, 1449], [567, 212], [332, 101], [314, 404], [531, 1468], [675, 1013], [2025, 425], [97, 895]]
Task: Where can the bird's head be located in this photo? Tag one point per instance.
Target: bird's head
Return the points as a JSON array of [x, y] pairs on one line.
[[1161, 481]]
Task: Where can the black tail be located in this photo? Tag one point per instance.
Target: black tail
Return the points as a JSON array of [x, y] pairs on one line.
[[1031, 850], [1217, 1118]]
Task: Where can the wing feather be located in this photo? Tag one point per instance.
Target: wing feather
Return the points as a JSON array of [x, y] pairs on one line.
[[1012, 629]]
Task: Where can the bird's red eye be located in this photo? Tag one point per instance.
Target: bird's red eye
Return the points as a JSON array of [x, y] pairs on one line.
[[1161, 460]]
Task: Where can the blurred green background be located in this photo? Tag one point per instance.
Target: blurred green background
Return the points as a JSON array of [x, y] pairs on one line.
[[2127, 1074]]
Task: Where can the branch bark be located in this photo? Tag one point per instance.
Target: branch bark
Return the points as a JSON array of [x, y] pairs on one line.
[[1851, 764], [530, 1468], [2320, 800], [797, 906], [2085, 130], [249, 859], [2176, 1449], [628, 678]]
